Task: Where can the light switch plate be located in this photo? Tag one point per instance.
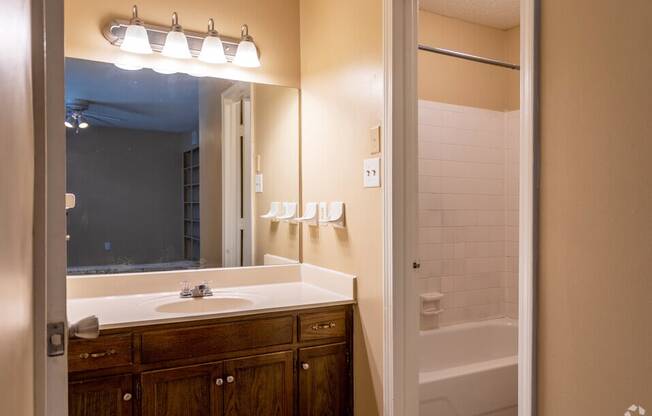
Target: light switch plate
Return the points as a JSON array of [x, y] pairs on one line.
[[374, 140], [259, 183], [371, 173]]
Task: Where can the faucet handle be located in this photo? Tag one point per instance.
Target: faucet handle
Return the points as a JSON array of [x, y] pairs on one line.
[[185, 289], [205, 288]]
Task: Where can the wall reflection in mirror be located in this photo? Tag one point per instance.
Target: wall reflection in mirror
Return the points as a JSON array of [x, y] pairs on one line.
[[174, 172]]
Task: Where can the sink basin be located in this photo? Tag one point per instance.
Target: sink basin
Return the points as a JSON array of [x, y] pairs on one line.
[[201, 305]]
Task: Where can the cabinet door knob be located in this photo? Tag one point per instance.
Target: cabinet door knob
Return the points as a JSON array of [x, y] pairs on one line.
[[126, 397], [219, 381], [305, 366], [230, 379]]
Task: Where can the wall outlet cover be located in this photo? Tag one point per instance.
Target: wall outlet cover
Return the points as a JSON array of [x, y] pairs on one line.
[[371, 173], [259, 183]]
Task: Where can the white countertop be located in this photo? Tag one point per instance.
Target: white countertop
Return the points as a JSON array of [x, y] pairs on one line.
[[314, 287]]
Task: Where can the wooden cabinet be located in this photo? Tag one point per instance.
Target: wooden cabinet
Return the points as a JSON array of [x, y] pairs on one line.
[[324, 380], [105, 396], [181, 391], [275, 364], [259, 385], [250, 386]]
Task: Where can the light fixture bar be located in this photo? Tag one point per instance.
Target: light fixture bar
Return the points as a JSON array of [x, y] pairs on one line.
[[114, 32]]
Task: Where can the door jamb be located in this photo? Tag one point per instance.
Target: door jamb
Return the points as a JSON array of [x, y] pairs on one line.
[[49, 250], [230, 103], [400, 371]]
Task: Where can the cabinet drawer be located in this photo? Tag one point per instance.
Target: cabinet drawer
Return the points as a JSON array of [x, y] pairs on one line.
[[320, 325], [205, 340], [103, 352]]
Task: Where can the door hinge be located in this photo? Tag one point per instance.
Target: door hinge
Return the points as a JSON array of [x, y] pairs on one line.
[[56, 332]]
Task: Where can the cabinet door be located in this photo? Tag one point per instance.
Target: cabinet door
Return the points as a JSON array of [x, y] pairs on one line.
[[107, 396], [259, 386], [183, 391], [324, 381]]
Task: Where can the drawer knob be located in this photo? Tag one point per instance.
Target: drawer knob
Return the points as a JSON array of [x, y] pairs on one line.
[[230, 379], [323, 325], [126, 397], [86, 355], [305, 366], [219, 381]]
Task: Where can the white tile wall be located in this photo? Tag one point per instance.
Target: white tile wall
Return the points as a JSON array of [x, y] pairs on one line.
[[468, 210]]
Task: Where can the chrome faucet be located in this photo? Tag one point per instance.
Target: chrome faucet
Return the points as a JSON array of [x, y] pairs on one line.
[[199, 291]]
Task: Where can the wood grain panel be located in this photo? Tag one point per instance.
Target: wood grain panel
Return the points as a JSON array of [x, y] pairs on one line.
[[324, 383], [182, 391], [103, 352], [320, 325], [101, 397], [215, 339], [262, 385]]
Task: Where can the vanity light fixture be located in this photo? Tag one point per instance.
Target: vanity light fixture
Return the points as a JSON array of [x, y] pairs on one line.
[[176, 43], [136, 39], [70, 122], [247, 53], [212, 49], [127, 62], [165, 68]]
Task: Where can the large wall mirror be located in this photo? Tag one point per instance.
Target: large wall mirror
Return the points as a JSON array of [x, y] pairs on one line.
[[172, 171]]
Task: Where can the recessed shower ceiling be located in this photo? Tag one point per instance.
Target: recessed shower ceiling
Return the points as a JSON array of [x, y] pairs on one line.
[[501, 14]]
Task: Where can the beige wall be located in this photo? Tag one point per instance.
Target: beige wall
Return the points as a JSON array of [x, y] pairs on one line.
[[513, 55], [275, 128], [456, 81], [16, 206], [341, 99], [596, 207], [273, 24]]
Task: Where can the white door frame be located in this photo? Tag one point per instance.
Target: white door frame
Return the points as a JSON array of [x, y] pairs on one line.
[[231, 109], [400, 367], [400, 371], [528, 206], [247, 185], [50, 373]]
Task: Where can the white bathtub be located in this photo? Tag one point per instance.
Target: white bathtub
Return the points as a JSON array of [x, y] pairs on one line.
[[469, 369]]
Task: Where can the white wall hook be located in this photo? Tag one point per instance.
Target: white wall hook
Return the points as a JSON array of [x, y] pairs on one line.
[[289, 212], [310, 214], [274, 211], [336, 214]]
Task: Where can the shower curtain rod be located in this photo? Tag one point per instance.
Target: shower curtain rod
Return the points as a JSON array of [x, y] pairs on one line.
[[475, 58]]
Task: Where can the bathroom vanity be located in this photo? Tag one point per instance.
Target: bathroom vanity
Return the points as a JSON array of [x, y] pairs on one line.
[[268, 356], [284, 363], [189, 263]]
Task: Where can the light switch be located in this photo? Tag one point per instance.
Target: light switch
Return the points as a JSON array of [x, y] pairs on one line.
[[374, 140], [371, 173], [56, 340], [259, 183]]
